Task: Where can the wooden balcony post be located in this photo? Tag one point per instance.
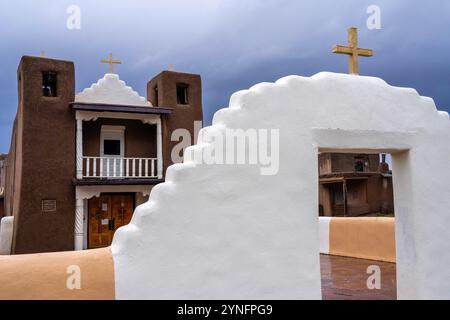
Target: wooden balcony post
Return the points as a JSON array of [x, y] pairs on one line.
[[79, 221], [79, 143], [88, 173], [159, 148]]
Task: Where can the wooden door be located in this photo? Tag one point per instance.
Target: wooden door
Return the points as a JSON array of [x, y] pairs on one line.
[[99, 222], [107, 213], [122, 210]]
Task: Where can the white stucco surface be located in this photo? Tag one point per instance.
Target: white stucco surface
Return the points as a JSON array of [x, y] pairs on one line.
[[324, 235], [223, 231], [6, 234], [111, 90]]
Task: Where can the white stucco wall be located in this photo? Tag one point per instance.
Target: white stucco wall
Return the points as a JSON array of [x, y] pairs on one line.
[[111, 90], [324, 235], [221, 231], [6, 234]]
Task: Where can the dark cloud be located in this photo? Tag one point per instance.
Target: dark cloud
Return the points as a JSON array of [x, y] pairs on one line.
[[233, 44]]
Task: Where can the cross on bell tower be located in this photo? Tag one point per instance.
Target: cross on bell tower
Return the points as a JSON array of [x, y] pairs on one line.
[[353, 51], [111, 62]]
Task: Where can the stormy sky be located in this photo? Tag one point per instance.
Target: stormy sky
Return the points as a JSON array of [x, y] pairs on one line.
[[233, 44]]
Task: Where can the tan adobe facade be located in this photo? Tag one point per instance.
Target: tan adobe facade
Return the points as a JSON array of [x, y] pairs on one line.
[[79, 164]]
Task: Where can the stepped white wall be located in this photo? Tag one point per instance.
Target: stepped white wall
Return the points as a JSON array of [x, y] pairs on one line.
[[222, 231], [111, 90]]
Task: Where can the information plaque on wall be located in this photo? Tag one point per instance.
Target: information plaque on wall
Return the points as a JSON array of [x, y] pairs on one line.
[[48, 205]]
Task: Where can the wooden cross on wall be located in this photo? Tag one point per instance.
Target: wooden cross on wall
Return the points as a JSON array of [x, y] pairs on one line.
[[353, 51], [111, 62]]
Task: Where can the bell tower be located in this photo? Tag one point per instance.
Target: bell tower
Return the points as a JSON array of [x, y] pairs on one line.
[[183, 93], [43, 154]]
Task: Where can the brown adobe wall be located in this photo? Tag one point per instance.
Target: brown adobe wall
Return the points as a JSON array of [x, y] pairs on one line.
[[12, 181], [183, 116], [379, 194], [44, 159]]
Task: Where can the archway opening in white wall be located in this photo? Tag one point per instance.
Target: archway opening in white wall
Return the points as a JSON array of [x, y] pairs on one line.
[[357, 224]]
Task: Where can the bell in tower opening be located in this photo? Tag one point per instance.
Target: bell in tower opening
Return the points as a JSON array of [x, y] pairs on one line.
[[49, 84]]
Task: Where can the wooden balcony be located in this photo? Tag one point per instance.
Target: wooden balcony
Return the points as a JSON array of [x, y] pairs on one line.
[[120, 168], [116, 167]]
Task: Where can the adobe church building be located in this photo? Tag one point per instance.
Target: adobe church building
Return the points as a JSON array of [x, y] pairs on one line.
[[78, 165], [352, 184]]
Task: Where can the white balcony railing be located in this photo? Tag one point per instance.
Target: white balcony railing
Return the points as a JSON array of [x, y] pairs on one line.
[[116, 168]]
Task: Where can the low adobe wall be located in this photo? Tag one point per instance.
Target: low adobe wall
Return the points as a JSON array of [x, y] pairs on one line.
[[6, 234], [44, 276], [365, 238]]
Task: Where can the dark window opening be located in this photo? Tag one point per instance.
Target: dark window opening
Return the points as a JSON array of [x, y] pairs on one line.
[[182, 94], [49, 84], [111, 147], [359, 166]]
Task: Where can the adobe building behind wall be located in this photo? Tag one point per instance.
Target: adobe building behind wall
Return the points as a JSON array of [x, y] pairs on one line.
[[78, 165], [355, 185]]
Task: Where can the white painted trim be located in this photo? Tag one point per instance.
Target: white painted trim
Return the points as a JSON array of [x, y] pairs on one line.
[[93, 116], [324, 235], [357, 141], [112, 133], [129, 168], [159, 152], [79, 148], [79, 223], [85, 224], [159, 148], [88, 192], [108, 128]]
